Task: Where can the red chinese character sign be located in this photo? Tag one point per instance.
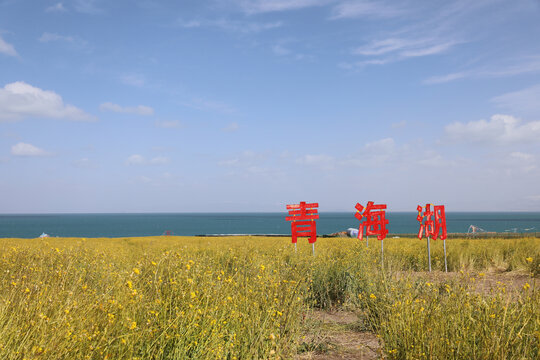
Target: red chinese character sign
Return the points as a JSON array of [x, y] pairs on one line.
[[302, 218], [374, 220], [374, 223], [434, 223]]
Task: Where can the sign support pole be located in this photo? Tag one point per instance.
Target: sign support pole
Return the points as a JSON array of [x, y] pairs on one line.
[[382, 254], [428, 254], [445, 263], [313, 248]]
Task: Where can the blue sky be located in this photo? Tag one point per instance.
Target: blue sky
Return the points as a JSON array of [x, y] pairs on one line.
[[237, 105]]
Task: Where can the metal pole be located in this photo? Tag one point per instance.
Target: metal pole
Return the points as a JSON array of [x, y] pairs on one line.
[[428, 254], [295, 250], [382, 254], [313, 248], [367, 241], [445, 263]]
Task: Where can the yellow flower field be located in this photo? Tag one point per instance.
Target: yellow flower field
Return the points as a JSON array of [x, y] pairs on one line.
[[251, 297]]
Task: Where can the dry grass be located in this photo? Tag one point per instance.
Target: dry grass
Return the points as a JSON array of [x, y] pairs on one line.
[[245, 298]]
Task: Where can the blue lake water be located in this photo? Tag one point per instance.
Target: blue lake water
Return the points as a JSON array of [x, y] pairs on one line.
[[124, 225]]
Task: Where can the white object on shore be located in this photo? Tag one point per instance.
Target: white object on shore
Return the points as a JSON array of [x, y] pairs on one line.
[[352, 232], [43, 235]]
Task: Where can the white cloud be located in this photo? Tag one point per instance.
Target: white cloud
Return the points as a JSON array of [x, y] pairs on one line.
[[247, 160], [264, 6], [322, 161], [48, 37], [396, 49], [279, 49], [231, 127], [399, 125], [58, 7], [510, 67], [6, 48], [500, 129], [27, 150], [86, 6], [444, 78], [384, 145], [136, 80], [204, 104], [137, 159], [159, 160], [19, 100], [521, 156], [355, 9], [138, 110], [172, 124], [526, 100], [231, 25]]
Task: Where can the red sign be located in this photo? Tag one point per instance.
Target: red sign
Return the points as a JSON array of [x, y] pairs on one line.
[[432, 227], [303, 221], [374, 220]]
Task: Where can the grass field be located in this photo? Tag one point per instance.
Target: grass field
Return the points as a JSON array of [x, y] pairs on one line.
[[255, 298]]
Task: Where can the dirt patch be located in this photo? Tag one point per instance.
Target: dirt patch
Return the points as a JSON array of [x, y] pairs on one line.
[[338, 317], [483, 282], [335, 335]]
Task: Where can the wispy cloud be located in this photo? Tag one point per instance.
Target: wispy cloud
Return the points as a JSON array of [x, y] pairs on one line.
[[231, 25], [27, 150], [526, 100], [74, 41], [266, 6], [6, 48], [508, 67], [137, 80], [428, 29], [172, 124], [231, 127], [397, 49], [444, 78], [137, 159], [356, 9], [87, 6], [498, 130], [56, 8], [48, 37], [138, 110], [19, 100], [209, 105], [321, 161]]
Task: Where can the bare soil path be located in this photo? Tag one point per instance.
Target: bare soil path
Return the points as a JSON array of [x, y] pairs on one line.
[[338, 335]]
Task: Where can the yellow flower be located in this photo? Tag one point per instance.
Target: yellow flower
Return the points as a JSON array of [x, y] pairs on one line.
[[529, 259], [136, 271], [133, 325], [193, 295], [526, 286], [372, 296], [129, 284]]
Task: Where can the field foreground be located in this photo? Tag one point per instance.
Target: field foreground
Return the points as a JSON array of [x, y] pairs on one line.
[[255, 298]]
